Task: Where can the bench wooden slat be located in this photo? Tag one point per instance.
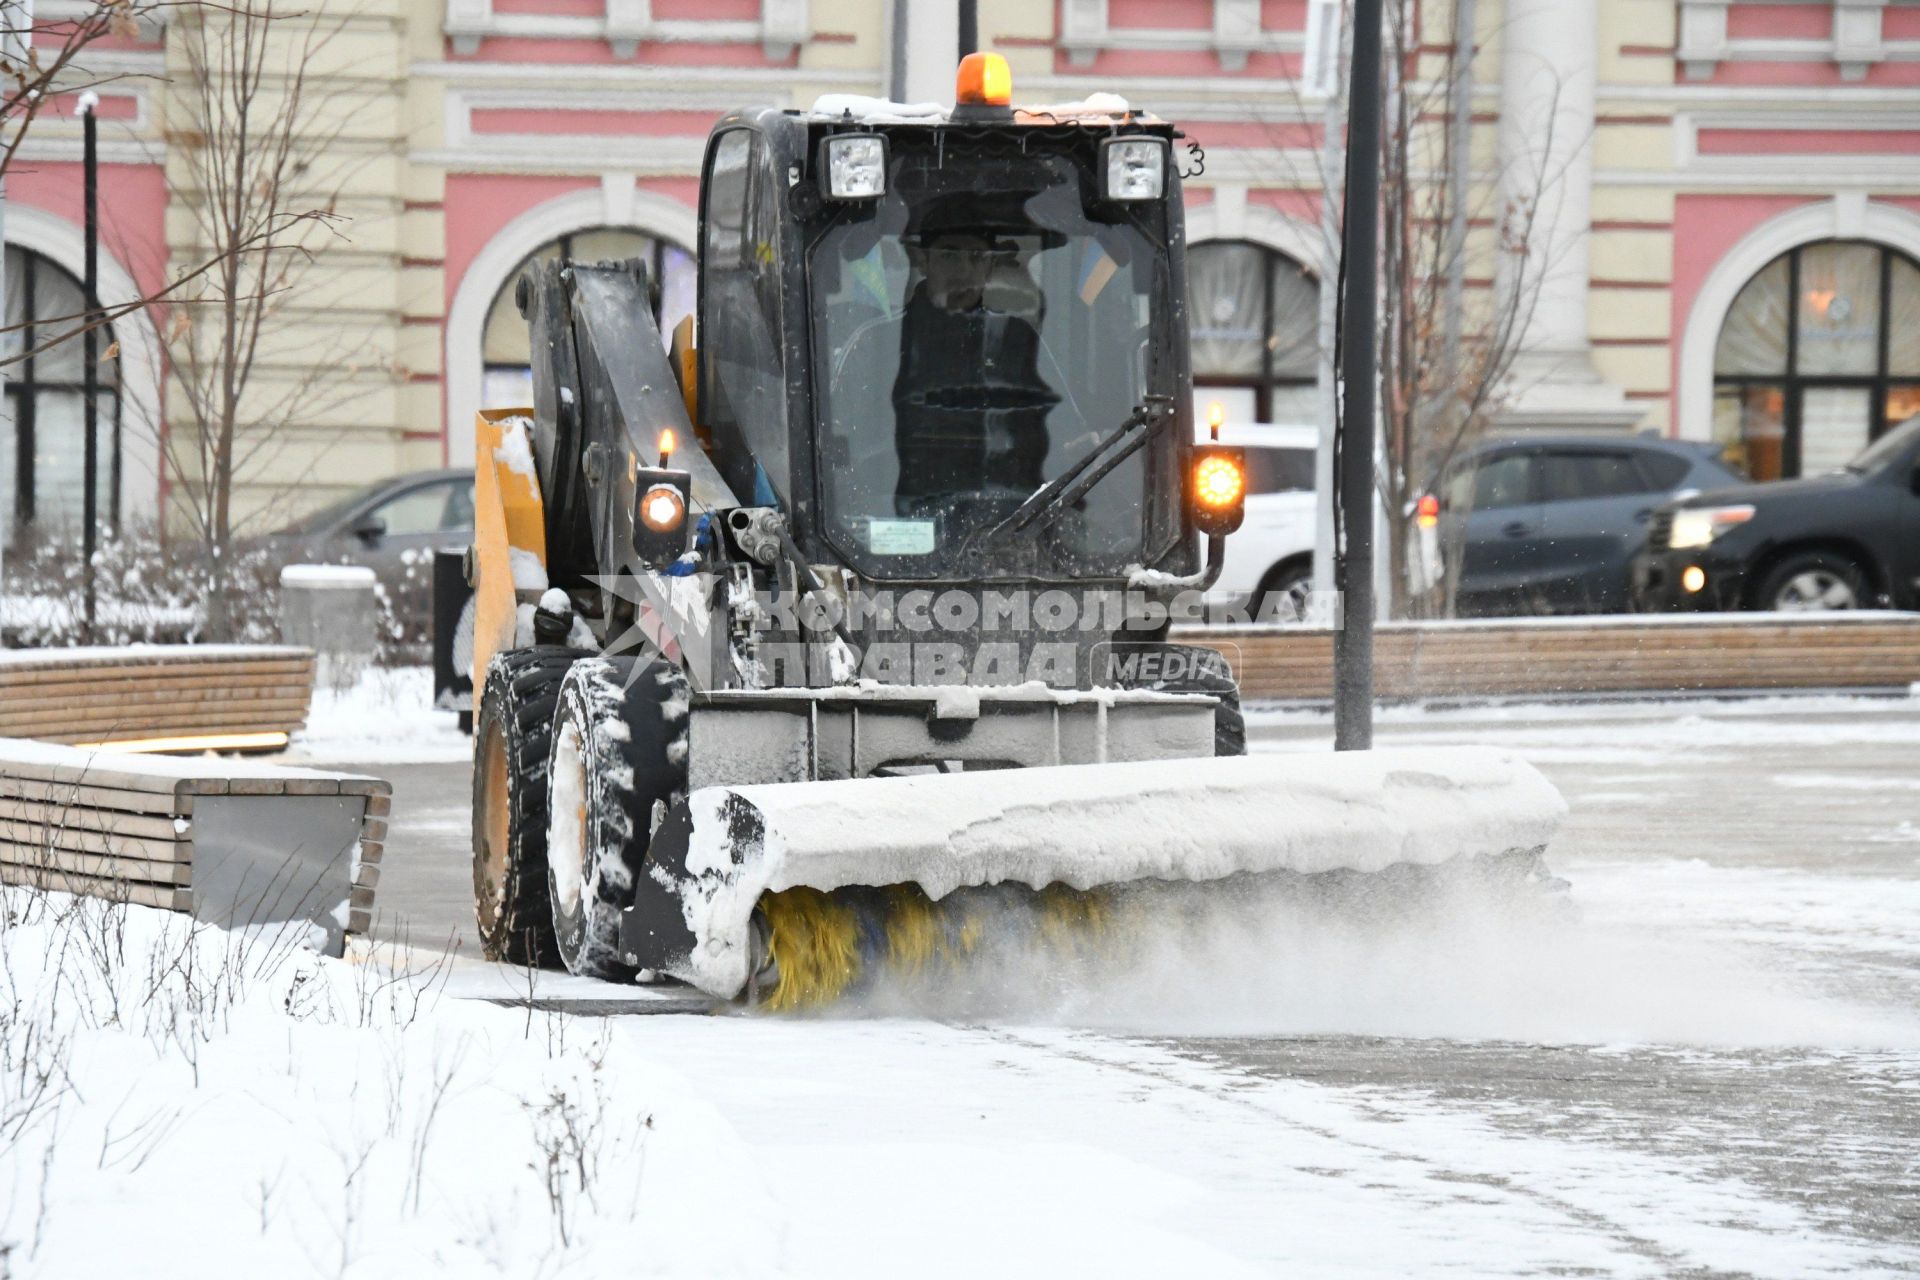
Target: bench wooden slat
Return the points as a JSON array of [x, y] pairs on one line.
[[119, 800], [91, 818], [98, 866], [147, 895]]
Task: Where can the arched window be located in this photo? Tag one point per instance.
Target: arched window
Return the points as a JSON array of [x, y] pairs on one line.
[[42, 446], [1254, 316], [507, 377], [1819, 354]]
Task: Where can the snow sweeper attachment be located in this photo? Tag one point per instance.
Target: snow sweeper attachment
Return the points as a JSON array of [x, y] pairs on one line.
[[831, 648], [796, 894]]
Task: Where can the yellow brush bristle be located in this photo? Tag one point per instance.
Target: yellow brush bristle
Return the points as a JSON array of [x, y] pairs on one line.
[[915, 933], [816, 943], [825, 944]]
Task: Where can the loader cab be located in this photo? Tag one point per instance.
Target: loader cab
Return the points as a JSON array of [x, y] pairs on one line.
[[911, 322]]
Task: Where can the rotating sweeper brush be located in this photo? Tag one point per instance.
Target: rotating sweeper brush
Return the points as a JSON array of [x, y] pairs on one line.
[[835, 648], [797, 893]]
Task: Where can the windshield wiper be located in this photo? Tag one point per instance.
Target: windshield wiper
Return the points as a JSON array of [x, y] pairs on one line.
[[1067, 488]]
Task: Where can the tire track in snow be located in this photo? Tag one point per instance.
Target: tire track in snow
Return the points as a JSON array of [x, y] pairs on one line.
[[1193, 1075]]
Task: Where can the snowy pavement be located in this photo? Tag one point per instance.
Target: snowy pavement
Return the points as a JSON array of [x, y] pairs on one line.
[[1712, 1068]]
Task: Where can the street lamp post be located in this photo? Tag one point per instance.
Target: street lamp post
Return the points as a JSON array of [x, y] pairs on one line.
[[1355, 432], [90, 360]]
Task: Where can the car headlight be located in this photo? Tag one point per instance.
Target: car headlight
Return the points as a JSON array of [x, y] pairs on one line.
[[856, 166], [1698, 526], [1136, 168]]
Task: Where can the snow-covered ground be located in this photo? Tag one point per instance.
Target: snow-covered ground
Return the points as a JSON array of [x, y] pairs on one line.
[[178, 1101], [1711, 1066], [387, 716]]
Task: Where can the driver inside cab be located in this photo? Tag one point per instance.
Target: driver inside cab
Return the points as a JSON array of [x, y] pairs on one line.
[[970, 404]]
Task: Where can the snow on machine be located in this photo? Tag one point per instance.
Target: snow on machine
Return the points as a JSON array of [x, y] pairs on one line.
[[835, 645]]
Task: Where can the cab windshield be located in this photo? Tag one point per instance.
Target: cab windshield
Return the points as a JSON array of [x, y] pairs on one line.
[[972, 344]]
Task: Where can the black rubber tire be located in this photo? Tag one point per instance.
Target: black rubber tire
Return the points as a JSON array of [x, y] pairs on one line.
[[515, 719], [1796, 563], [1282, 580], [1205, 671], [620, 737]]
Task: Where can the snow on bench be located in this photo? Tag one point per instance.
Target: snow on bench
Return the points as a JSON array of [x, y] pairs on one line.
[[235, 842], [157, 697]]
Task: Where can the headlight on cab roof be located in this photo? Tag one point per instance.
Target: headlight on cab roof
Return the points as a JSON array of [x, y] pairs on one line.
[[1136, 168], [1698, 526], [856, 166]]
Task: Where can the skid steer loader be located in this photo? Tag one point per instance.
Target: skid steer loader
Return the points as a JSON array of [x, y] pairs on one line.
[[824, 645]]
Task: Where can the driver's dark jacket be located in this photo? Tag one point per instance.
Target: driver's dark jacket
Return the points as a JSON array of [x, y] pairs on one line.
[[970, 405]]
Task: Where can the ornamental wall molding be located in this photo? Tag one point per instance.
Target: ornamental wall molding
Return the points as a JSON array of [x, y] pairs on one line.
[[1855, 45], [1236, 32], [783, 26]]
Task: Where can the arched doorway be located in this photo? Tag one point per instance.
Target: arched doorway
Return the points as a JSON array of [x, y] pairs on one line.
[[1254, 315], [42, 444], [1817, 356], [506, 378]]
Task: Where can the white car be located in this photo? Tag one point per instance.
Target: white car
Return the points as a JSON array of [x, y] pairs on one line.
[[1271, 555]]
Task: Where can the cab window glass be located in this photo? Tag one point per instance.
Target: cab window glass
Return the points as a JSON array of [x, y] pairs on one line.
[[744, 397]]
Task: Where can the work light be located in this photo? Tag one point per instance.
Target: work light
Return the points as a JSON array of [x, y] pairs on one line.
[[856, 165], [1136, 168]]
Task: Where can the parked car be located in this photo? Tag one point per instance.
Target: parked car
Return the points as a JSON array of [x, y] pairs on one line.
[[1270, 558], [378, 525], [1845, 540], [393, 527], [1551, 524]]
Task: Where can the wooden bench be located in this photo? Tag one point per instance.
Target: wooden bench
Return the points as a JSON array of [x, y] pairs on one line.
[[1586, 657], [231, 841], [157, 697]]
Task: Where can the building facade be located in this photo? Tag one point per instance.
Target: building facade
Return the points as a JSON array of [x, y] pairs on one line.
[[1723, 200]]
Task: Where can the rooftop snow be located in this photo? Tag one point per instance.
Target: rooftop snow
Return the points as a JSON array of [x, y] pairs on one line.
[[1096, 108]]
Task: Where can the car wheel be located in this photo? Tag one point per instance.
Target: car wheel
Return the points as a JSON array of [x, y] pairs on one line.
[[1813, 580], [1282, 594]]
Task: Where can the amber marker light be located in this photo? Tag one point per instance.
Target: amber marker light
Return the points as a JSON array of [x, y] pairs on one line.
[[1216, 416], [1426, 512], [662, 508], [666, 446], [984, 81], [1218, 489], [1218, 482]]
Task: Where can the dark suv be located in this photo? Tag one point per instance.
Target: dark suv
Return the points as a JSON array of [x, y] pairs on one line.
[[1550, 524], [1846, 540]]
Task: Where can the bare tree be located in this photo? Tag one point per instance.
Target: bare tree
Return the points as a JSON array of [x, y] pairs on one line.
[[1448, 334], [42, 61], [252, 132]]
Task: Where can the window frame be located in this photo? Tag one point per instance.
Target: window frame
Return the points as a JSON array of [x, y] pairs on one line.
[[1266, 382], [21, 389], [1793, 384]]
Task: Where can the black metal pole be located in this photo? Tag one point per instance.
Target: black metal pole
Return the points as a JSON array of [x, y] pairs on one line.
[[90, 365], [1354, 441], [969, 27]]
